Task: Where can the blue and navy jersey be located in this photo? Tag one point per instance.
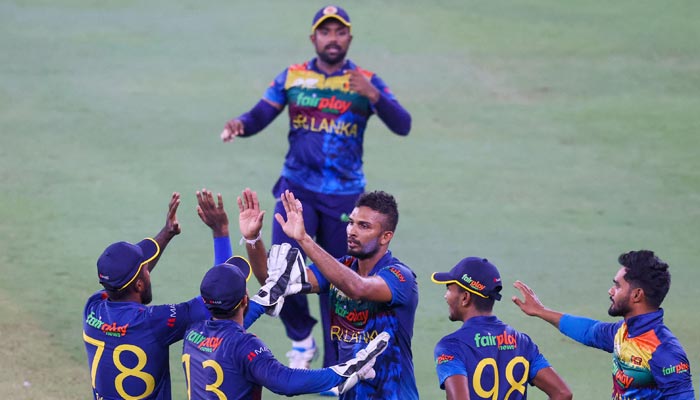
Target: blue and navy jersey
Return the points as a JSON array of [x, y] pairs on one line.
[[355, 322], [327, 124], [222, 361], [648, 360], [127, 345], [498, 361]]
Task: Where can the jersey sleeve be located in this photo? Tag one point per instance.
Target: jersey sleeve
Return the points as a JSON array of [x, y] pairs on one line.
[[265, 370], [401, 282], [671, 370], [447, 361], [323, 284], [276, 92], [590, 332], [169, 321], [379, 84]]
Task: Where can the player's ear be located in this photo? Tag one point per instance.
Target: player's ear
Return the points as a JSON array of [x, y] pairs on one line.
[[312, 37], [638, 295], [386, 237], [466, 298]]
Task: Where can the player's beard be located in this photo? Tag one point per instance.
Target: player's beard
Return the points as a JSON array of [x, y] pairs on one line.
[[334, 59], [361, 253], [619, 308], [147, 295]]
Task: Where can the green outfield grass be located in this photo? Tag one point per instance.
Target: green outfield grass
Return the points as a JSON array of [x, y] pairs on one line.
[[547, 136]]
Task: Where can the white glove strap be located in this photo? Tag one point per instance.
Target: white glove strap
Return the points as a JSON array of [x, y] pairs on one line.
[[251, 242]]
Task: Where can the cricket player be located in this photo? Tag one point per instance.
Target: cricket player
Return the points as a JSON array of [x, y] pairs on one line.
[[370, 291], [126, 339], [221, 360], [648, 360], [330, 100], [486, 358]]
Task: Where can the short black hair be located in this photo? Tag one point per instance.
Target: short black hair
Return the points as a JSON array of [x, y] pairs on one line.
[[480, 303], [219, 313], [383, 203], [647, 271]]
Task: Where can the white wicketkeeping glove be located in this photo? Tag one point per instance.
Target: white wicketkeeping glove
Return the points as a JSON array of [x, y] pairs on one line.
[[286, 275], [361, 367]]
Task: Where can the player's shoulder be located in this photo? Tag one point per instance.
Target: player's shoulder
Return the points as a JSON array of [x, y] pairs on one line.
[[369, 74], [299, 67]]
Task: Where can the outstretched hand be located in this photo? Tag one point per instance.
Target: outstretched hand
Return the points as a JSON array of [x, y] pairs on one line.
[[294, 225], [172, 226], [250, 217], [232, 129], [212, 213], [530, 304]]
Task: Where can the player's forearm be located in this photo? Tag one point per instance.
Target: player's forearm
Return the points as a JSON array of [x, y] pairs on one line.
[[257, 255], [551, 316], [162, 238], [260, 116], [222, 249], [336, 273], [393, 115], [287, 381]]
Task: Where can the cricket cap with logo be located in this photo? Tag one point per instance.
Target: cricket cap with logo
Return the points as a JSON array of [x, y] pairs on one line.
[[329, 12], [475, 275], [224, 286], [122, 262]]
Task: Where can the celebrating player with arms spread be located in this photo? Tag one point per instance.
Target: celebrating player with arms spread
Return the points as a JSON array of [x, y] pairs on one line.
[[330, 100], [487, 358]]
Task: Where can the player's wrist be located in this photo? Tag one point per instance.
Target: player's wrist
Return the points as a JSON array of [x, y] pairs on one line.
[[252, 241]]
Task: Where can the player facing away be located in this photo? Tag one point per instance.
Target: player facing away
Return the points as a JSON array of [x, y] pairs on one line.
[[648, 360], [126, 340], [223, 361], [487, 358], [330, 100], [370, 291]]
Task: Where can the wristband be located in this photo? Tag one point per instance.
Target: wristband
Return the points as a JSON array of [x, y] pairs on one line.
[[251, 242]]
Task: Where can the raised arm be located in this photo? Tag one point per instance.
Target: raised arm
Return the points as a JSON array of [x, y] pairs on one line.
[[371, 288], [532, 306], [170, 229]]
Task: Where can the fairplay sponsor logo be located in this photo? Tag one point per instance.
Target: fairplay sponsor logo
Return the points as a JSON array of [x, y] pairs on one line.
[[478, 286], [205, 344], [681, 368], [443, 358], [108, 329], [331, 104], [397, 273], [504, 341]]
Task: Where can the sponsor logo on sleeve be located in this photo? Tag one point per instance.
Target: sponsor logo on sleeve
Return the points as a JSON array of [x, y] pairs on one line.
[[443, 358], [257, 352], [681, 368], [397, 273]]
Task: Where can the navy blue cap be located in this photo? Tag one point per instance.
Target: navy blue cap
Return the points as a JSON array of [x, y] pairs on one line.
[[328, 12], [121, 262], [475, 275], [224, 285]]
